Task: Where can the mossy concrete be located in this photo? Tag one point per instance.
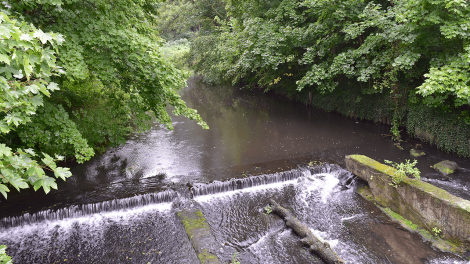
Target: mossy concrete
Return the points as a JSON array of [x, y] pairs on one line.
[[200, 235], [446, 167], [434, 238], [416, 201]]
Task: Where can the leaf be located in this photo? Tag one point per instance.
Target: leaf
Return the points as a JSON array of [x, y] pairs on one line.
[[28, 68], [53, 86], [4, 151], [48, 160], [46, 183], [17, 182], [43, 37], [49, 182], [37, 184], [4, 128], [5, 58], [26, 37], [30, 151], [63, 173], [33, 88], [14, 118], [19, 75], [4, 189], [36, 101]]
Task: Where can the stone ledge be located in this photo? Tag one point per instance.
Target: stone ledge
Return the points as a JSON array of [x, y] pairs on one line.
[[420, 202], [200, 235]]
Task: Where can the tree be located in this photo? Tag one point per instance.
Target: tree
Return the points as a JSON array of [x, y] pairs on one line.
[[28, 58], [414, 51], [113, 79], [116, 72]]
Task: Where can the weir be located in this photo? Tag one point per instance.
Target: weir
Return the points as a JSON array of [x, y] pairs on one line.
[[234, 224], [75, 211], [253, 181]]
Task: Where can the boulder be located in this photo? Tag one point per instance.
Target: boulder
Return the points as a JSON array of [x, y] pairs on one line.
[[417, 153], [446, 167]]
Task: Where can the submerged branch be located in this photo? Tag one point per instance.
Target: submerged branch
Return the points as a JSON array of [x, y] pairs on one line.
[[322, 249]]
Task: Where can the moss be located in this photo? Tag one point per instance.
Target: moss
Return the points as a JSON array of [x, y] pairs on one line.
[[440, 198], [452, 245], [443, 169], [401, 219], [429, 188], [366, 193], [374, 164], [426, 187], [417, 153], [191, 224], [206, 257]]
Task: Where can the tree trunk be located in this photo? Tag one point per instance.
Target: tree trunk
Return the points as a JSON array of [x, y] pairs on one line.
[[322, 249]]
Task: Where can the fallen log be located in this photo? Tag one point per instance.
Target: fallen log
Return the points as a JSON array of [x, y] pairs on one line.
[[320, 248]]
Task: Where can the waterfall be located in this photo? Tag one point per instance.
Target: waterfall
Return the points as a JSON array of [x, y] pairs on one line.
[[80, 210], [88, 209], [238, 184]]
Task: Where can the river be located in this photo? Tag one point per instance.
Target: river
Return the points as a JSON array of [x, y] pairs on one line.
[[120, 207]]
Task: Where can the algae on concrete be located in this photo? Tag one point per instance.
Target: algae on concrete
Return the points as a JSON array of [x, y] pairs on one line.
[[446, 167], [420, 203], [200, 235], [451, 245], [205, 257]]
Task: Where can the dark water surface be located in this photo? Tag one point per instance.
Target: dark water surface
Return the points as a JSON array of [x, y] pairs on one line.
[[107, 215]]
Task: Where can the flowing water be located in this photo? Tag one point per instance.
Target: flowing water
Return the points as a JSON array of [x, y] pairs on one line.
[[120, 207]]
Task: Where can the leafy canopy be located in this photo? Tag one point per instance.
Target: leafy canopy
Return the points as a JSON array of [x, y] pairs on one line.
[[28, 58]]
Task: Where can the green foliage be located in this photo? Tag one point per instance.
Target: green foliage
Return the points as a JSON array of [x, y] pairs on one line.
[[406, 52], [4, 258], [117, 44], [116, 80], [448, 130], [52, 131], [436, 231], [268, 209], [28, 63], [177, 52], [403, 170], [234, 258]]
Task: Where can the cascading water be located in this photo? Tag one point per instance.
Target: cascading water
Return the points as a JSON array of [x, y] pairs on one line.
[[76, 211], [239, 184], [145, 229], [325, 200]]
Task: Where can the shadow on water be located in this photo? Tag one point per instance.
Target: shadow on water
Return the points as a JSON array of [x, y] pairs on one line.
[[251, 134]]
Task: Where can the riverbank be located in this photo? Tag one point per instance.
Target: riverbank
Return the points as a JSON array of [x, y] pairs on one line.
[[446, 130]]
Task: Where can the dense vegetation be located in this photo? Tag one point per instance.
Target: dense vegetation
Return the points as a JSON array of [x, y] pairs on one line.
[[77, 77], [386, 61]]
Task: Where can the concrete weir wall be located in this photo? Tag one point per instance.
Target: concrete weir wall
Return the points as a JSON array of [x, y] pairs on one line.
[[420, 202], [200, 235]]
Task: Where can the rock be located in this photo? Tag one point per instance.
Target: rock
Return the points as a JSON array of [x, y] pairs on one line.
[[446, 167], [417, 153]]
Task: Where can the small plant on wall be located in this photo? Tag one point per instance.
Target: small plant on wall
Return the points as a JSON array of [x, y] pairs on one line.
[[403, 170]]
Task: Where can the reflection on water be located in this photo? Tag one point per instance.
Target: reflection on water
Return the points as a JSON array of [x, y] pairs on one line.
[[248, 131], [251, 134]]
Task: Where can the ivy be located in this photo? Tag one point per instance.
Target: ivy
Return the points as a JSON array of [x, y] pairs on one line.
[[400, 53]]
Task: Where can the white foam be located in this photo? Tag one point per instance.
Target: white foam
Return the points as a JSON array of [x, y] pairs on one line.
[[260, 188], [321, 236]]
